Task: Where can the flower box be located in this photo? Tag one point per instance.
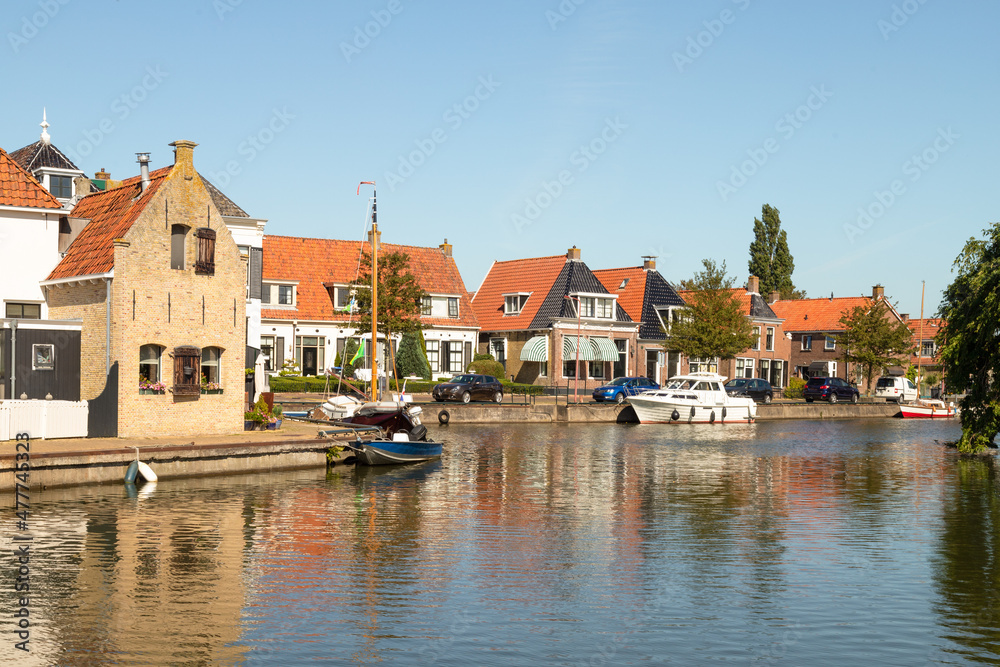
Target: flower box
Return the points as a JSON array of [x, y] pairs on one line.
[[150, 391], [211, 391]]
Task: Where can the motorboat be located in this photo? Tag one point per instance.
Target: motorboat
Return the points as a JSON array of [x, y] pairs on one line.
[[696, 398], [403, 440], [339, 408], [928, 409]]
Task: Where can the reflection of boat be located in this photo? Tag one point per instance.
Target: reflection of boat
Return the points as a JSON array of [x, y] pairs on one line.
[[698, 398], [927, 409]]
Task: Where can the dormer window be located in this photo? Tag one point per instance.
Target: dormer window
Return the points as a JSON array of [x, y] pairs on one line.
[[513, 303], [595, 306], [624, 283], [61, 187]]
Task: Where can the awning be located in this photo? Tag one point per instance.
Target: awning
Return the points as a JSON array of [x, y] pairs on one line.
[[604, 349], [570, 348], [536, 349]]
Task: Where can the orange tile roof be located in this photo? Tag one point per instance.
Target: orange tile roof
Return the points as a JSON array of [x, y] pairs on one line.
[[929, 330], [111, 214], [313, 262], [535, 275], [817, 314], [630, 298], [19, 188]]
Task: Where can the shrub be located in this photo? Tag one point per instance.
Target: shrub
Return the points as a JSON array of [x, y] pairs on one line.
[[794, 388], [483, 357], [411, 359], [487, 367]]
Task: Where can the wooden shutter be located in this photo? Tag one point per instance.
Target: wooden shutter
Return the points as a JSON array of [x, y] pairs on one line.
[[256, 271], [278, 356], [206, 251], [187, 375]]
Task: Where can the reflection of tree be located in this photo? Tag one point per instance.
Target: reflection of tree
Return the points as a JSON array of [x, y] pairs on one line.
[[968, 571]]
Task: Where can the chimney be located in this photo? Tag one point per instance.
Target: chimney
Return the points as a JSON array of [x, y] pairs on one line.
[[184, 156], [878, 292], [573, 254], [775, 296], [143, 160], [445, 248], [904, 316], [649, 262], [102, 175], [753, 285]]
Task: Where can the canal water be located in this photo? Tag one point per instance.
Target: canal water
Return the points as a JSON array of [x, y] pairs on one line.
[[785, 543]]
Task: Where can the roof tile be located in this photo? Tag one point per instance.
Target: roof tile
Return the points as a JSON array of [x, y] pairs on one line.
[[19, 188]]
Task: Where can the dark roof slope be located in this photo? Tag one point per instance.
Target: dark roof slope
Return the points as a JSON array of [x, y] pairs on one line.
[[574, 277], [659, 293], [39, 155], [225, 205]]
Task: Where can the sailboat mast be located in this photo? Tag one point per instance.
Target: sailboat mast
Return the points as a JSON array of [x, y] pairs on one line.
[[375, 382], [920, 334]]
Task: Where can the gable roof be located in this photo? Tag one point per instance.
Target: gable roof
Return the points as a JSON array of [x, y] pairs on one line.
[[40, 155], [225, 205], [318, 263], [111, 214], [642, 294], [921, 330], [19, 188], [751, 303], [534, 276], [820, 315]]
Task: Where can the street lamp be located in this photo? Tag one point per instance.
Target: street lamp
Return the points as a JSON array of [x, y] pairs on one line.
[[576, 385]]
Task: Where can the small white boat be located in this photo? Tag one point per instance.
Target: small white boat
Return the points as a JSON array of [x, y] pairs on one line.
[[928, 409], [339, 408], [697, 398]]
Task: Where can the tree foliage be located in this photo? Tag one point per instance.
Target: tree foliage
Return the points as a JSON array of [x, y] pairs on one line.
[[873, 340], [399, 294], [411, 358], [714, 323], [770, 259], [970, 338]]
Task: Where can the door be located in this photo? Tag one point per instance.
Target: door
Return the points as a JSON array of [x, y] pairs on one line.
[[651, 366], [309, 361]]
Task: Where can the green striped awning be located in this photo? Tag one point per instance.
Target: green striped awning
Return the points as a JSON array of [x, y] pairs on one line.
[[570, 347], [604, 349], [536, 349]]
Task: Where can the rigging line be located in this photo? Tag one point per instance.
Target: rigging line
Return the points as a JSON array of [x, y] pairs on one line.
[[357, 273]]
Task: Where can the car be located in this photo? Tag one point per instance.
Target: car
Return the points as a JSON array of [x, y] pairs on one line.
[[469, 387], [621, 388], [896, 388], [830, 389], [757, 389]]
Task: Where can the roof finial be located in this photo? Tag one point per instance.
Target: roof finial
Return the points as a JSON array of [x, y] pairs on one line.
[[46, 139]]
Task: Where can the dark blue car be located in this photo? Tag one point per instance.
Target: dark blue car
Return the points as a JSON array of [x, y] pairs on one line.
[[621, 388], [829, 389]]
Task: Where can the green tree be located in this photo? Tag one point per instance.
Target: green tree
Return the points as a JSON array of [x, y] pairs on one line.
[[411, 358], [350, 348], [873, 340], [970, 339], [714, 323], [399, 294], [770, 259]]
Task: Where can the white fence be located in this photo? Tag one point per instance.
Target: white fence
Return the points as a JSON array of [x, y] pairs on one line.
[[43, 419]]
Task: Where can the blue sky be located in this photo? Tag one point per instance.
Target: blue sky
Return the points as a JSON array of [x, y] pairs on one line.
[[518, 129]]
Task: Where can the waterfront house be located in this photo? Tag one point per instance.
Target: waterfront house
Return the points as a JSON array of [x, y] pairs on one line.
[[539, 316], [160, 287]]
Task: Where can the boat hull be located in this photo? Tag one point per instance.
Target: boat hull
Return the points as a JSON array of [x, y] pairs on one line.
[[655, 410], [390, 452], [927, 412]]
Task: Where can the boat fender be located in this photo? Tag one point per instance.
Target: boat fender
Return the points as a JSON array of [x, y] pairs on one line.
[[711, 417], [692, 412], [444, 417], [723, 414], [147, 472], [675, 416], [131, 472]]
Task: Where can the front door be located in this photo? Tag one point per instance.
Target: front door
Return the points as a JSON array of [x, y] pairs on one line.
[[652, 368], [309, 361]]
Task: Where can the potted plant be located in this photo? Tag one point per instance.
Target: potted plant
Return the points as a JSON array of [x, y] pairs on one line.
[[254, 419], [276, 412], [210, 387]]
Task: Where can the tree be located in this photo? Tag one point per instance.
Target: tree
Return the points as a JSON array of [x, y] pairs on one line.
[[714, 323], [770, 259], [872, 340], [970, 339], [411, 358]]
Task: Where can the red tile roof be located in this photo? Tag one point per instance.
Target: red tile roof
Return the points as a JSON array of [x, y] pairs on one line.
[[929, 330], [817, 314], [19, 188], [631, 296], [313, 262], [111, 214], [535, 275]]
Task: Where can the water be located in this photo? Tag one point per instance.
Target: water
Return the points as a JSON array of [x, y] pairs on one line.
[[786, 543]]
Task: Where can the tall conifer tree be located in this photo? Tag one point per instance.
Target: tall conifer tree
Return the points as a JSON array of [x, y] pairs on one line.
[[770, 259]]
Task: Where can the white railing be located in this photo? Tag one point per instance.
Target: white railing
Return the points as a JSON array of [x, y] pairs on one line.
[[43, 419]]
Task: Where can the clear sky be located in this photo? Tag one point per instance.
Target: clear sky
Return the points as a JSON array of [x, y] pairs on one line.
[[520, 128]]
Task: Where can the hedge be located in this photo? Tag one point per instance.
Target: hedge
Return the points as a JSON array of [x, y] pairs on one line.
[[316, 385]]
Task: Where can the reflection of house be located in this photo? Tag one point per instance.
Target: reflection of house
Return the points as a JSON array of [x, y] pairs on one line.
[[652, 302], [306, 297], [769, 356], [161, 289], [528, 313]]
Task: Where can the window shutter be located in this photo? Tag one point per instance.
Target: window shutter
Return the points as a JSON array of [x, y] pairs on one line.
[[206, 251], [279, 353], [256, 272], [187, 376]]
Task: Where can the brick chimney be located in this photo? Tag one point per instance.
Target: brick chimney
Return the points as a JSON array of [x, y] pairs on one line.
[[102, 175], [878, 292], [184, 157], [649, 263], [445, 248], [753, 285], [573, 254], [775, 296]]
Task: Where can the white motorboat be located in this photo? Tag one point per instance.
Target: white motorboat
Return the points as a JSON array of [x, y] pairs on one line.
[[339, 408], [697, 398]]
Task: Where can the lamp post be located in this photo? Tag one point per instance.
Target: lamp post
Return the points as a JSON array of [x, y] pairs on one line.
[[576, 385]]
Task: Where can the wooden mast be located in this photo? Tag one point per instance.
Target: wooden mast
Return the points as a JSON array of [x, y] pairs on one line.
[[375, 382], [920, 334]]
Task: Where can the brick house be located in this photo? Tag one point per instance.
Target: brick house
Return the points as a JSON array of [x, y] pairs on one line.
[[306, 298], [528, 314], [769, 357], [653, 302], [815, 324], [925, 345], [160, 287]]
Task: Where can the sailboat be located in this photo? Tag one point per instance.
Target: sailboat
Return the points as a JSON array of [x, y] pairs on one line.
[[925, 408], [404, 438]]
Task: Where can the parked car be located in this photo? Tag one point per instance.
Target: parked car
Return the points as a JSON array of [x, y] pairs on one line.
[[896, 388], [830, 389], [757, 389], [469, 387], [621, 388]]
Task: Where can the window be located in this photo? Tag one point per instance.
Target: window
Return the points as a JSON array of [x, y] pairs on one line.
[[833, 368], [807, 342], [178, 237], [777, 373], [24, 311], [186, 376], [831, 343], [342, 299], [43, 357], [756, 339], [310, 354], [744, 368], [265, 293], [765, 369], [569, 368], [453, 308], [286, 295], [699, 365], [211, 368], [597, 369], [543, 368], [149, 363], [769, 341], [623, 284], [426, 306], [513, 303], [205, 264], [267, 351], [61, 186], [433, 349], [455, 356], [927, 349]]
